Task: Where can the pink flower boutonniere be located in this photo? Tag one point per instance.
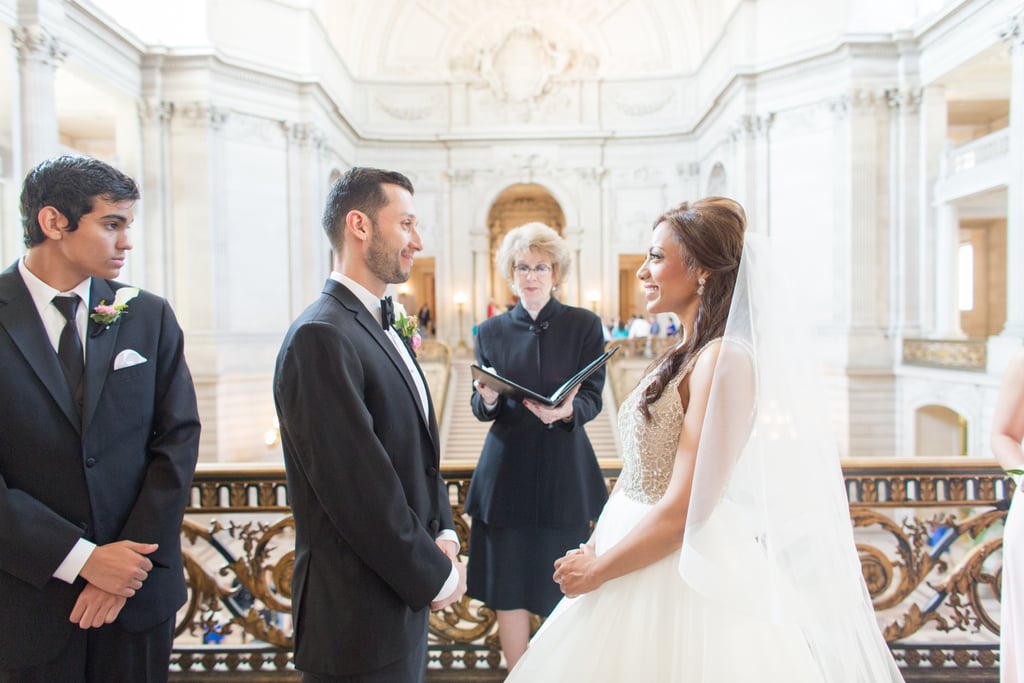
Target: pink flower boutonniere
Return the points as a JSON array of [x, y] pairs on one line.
[[408, 327], [107, 314]]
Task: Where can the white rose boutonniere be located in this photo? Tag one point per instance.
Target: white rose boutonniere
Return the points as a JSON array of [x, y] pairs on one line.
[[107, 314]]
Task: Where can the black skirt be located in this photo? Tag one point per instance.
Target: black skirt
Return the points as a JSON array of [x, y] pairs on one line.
[[511, 568]]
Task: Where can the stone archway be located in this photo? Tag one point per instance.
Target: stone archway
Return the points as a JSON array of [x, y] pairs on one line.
[[514, 206]]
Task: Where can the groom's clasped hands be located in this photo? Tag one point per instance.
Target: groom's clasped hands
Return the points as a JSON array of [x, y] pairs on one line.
[[575, 572]]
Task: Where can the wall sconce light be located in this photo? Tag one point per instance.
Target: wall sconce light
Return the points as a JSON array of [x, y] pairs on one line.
[[594, 298], [460, 300]]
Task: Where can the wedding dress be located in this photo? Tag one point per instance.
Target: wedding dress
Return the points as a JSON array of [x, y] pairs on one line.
[[767, 586]]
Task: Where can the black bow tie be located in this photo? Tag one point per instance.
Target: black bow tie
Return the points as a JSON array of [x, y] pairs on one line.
[[387, 312]]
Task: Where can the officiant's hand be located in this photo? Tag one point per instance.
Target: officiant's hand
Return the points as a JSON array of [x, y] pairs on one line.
[[489, 395], [551, 414], [575, 573], [96, 607]]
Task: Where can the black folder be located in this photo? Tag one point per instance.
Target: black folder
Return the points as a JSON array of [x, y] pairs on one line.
[[507, 387]]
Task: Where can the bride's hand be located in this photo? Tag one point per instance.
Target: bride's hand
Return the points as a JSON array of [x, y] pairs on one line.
[[576, 573]]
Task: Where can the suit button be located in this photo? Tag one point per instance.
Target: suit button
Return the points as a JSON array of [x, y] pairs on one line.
[[434, 526], [431, 471], [90, 462]]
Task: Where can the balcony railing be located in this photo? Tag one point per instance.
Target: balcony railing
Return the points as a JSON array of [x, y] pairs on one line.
[[929, 533], [949, 354]]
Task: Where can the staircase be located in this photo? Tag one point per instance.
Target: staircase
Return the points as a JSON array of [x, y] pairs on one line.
[[462, 435]]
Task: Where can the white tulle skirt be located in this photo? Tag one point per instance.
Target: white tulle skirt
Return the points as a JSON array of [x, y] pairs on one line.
[[650, 627], [1011, 638]]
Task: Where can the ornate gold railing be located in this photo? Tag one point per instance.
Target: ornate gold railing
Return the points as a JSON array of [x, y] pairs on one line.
[[950, 354], [929, 532]]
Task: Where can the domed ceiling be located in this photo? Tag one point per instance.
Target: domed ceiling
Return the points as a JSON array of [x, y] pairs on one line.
[[517, 44]]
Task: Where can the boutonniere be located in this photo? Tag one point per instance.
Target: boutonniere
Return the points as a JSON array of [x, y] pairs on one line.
[[408, 327], [107, 314]]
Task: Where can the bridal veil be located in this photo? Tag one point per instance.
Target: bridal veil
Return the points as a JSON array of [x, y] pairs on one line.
[[769, 545]]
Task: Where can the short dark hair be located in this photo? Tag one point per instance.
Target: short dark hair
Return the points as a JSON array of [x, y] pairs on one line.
[[360, 189], [70, 184]]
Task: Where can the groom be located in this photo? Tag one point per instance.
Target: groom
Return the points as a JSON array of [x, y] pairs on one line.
[[374, 538]]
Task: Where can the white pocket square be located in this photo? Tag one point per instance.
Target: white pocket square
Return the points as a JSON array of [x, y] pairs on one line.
[[128, 358]]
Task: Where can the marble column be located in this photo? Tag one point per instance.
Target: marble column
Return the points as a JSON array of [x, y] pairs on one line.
[[904, 183], [947, 244], [751, 135], [934, 125], [1015, 187], [39, 54]]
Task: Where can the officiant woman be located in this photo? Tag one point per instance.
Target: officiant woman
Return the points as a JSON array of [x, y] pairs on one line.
[[537, 485]]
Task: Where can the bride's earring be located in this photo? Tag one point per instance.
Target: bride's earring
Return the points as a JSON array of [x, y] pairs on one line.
[[700, 288]]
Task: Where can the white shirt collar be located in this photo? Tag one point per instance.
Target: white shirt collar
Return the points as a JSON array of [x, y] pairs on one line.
[[42, 293], [370, 300]]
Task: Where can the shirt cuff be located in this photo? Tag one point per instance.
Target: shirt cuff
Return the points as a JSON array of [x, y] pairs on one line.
[[450, 535], [449, 585], [75, 560]]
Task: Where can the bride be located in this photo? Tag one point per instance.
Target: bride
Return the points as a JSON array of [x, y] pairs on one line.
[[725, 552]]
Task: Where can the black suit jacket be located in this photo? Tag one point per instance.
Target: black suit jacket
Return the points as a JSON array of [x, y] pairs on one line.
[[362, 465], [530, 475], [124, 472]]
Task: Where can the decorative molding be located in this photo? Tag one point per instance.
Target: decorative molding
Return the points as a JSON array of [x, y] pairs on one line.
[[638, 107], [202, 114], [461, 177], [37, 44], [152, 110], [1014, 31], [688, 170], [406, 112], [303, 134], [524, 66], [861, 99], [905, 99], [751, 126], [950, 354]]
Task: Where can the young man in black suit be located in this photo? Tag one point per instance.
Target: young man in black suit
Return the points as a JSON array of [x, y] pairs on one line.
[[99, 436], [374, 538]]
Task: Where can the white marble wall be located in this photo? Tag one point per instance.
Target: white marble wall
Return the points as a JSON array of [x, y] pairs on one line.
[[828, 130]]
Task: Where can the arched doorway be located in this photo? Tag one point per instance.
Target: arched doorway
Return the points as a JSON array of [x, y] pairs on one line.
[[939, 431], [514, 206]]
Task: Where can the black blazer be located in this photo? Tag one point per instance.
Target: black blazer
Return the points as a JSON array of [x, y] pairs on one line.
[[123, 473], [529, 474], [362, 465]]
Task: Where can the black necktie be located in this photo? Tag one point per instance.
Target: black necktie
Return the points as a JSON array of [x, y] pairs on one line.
[[387, 312], [69, 349]]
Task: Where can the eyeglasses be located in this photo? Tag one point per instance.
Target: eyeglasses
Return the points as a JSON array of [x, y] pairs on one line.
[[539, 269]]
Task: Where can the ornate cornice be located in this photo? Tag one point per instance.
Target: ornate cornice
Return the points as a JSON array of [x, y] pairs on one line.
[[37, 44]]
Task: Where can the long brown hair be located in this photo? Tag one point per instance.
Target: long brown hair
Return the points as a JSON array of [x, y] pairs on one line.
[[710, 231]]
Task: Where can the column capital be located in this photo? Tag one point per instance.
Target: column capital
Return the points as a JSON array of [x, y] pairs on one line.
[[303, 134], [153, 110], [906, 99], [201, 114], [36, 43], [1013, 32]]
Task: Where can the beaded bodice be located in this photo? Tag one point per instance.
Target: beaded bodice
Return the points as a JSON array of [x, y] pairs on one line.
[[649, 446]]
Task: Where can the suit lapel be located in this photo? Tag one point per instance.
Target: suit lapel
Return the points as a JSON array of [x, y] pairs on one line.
[[99, 350], [373, 327], [19, 317]]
